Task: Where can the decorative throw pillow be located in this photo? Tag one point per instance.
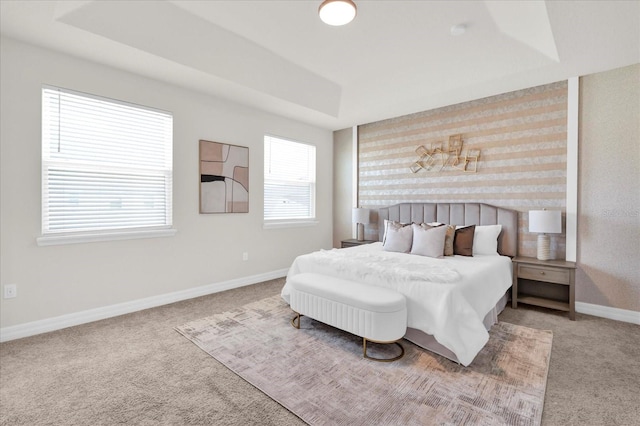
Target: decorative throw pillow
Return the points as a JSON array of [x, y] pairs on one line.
[[428, 240], [398, 237], [485, 239], [448, 240], [463, 241], [384, 227]]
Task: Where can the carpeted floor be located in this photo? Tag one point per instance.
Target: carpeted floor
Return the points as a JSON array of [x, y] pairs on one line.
[[135, 369]]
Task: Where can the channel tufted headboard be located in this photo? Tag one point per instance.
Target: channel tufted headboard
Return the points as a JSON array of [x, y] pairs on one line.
[[457, 214]]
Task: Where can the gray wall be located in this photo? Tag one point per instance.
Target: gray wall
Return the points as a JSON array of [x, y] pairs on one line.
[[608, 190], [66, 279]]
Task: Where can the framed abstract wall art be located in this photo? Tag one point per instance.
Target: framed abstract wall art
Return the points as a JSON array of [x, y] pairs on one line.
[[224, 178]]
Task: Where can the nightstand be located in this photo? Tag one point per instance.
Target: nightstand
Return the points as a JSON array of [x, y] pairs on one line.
[[546, 283], [353, 243]]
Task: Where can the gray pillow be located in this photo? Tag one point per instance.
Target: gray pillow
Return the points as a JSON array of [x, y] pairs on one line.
[[428, 241], [398, 237]]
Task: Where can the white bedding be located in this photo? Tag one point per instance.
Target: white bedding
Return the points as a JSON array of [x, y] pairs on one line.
[[446, 297]]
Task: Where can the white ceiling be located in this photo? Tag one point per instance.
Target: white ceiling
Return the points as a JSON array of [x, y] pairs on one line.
[[395, 58]]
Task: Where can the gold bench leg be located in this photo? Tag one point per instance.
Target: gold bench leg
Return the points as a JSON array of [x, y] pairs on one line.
[[364, 351], [293, 320]]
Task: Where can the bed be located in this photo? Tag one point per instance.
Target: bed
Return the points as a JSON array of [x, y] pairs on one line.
[[452, 301]]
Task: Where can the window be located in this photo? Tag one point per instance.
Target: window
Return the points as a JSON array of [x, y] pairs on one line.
[[107, 166], [289, 181]]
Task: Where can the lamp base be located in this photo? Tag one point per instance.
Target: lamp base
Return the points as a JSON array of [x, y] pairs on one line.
[[360, 232], [544, 247]]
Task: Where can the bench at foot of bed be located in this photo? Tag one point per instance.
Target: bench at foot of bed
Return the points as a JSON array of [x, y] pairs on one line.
[[376, 314]]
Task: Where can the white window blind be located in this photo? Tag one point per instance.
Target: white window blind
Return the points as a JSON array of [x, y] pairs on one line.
[[106, 165], [289, 180]]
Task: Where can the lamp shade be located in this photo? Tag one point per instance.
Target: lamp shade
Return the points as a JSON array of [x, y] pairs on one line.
[[545, 221], [360, 215], [337, 12]]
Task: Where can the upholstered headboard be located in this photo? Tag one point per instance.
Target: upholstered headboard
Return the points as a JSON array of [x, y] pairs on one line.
[[457, 214]]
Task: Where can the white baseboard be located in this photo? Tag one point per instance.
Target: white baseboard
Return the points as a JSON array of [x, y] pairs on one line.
[[56, 323], [51, 324], [608, 312]]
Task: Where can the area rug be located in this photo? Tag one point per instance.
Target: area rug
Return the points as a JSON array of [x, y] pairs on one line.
[[319, 374]]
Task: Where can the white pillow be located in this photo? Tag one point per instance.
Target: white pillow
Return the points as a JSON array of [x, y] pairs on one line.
[[485, 239], [428, 241], [398, 237], [384, 226]]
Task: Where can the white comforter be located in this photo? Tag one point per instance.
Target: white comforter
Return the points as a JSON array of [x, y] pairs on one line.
[[447, 297]]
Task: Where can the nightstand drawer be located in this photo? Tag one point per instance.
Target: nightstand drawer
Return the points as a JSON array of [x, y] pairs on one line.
[[551, 275]]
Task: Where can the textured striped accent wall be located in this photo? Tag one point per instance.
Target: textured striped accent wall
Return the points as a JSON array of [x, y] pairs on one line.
[[522, 138]]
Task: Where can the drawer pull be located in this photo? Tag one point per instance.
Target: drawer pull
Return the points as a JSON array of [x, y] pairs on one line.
[[541, 272]]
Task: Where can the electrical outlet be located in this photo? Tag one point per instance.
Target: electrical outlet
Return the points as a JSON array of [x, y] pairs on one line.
[[245, 256], [10, 291]]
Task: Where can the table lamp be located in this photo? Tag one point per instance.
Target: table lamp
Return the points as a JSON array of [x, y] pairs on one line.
[[360, 216], [545, 222]]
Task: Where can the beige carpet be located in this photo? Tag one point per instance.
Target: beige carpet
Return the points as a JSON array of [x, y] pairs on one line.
[[319, 374]]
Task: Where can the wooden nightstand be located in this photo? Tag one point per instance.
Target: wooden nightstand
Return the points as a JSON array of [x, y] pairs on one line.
[[353, 243], [546, 283]]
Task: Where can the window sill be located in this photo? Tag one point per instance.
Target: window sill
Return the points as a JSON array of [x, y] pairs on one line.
[[52, 240], [289, 224]]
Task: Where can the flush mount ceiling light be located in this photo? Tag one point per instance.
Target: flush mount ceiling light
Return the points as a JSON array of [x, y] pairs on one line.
[[337, 12]]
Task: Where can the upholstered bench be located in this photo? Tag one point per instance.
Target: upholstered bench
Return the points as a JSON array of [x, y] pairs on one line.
[[376, 314]]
